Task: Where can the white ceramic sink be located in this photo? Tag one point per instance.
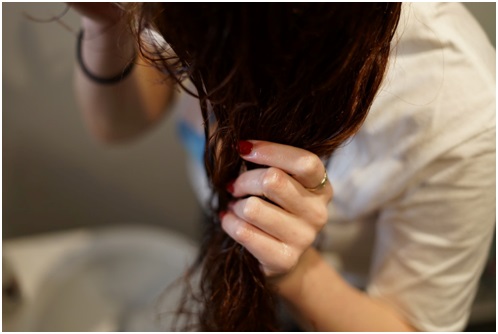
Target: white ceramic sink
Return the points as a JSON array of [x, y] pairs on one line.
[[96, 280]]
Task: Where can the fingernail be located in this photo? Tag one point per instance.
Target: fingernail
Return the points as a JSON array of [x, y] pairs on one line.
[[245, 147], [222, 214], [230, 187]]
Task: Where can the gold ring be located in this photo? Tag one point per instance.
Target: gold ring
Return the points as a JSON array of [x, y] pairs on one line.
[[322, 183]]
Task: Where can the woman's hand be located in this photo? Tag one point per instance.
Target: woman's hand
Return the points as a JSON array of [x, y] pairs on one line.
[[283, 208], [104, 14], [121, 111]]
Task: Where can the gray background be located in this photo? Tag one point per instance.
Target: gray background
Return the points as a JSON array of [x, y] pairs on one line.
[[55, 176]]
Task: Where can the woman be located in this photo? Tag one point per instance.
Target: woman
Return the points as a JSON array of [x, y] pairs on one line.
[[413, 209]]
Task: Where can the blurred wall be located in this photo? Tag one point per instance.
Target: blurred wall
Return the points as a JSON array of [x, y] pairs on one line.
[[55, 176], [485, 12]]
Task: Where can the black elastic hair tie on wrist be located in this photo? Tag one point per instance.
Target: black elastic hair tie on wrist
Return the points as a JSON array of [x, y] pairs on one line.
[[104, 81]]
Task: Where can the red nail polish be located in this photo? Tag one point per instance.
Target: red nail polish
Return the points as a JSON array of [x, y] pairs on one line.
[[230, 187], [222, 214], [245, 147]]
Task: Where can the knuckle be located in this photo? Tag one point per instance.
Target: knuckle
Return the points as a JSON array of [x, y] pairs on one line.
[[288, 260], [291, 263], [310, 165], [308, 238], [329, 192], [251, 209], [273, 180], [241, 233], [321, 215]]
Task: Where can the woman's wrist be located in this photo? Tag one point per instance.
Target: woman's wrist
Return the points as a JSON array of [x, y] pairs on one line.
[[106, 49], [323, 300]]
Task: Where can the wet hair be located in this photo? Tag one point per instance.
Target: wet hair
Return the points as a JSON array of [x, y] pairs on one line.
[[300, 74]]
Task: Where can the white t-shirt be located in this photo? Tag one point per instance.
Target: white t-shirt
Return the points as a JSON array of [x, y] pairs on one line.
[[413, 212]]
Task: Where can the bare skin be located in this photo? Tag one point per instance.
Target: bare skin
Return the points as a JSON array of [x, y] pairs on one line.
[[280, 236], [124, 110]]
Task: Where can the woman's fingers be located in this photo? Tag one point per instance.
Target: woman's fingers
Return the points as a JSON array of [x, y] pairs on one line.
[[304, 166], [282, 189], [285, 205], [274, 255], [275, 221]]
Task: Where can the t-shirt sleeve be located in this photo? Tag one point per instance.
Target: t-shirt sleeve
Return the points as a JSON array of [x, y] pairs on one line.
[[433, 240]]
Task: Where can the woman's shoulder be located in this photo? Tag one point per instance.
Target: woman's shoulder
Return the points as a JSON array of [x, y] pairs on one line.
[[430, 27], [440, 82], [438, 95]]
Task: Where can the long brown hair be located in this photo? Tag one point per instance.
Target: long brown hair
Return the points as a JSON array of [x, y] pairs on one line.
[[300, 74]]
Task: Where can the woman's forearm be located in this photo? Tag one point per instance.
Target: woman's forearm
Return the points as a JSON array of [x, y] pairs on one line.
[[324, 301], [124, 109]]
